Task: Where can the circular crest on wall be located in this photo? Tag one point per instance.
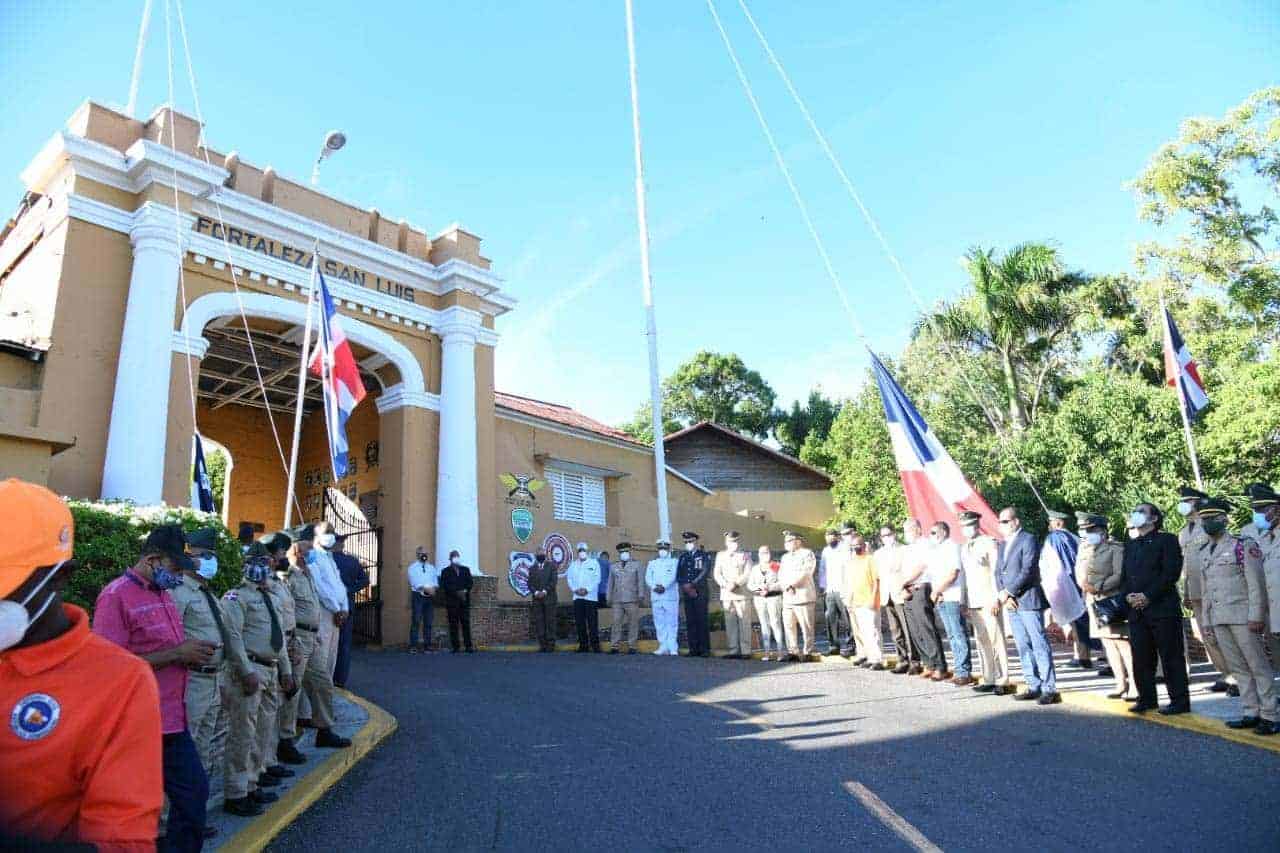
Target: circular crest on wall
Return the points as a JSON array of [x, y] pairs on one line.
[[559, 552], [518, 571]]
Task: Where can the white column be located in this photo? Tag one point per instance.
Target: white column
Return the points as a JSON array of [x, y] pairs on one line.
[[457, 497], [134, 466]]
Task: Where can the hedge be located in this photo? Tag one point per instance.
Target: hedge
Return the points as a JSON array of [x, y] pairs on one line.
[[109, 537]]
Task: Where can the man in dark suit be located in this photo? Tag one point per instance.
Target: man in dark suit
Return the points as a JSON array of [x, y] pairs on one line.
[[544, 581], [1152, 564], [355, 578], [456, 583], [1018, 577]]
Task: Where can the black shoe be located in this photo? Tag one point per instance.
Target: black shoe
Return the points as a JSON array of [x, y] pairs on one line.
[[1172, 710], [455, 651], [1141, 707], [1026, 696], [793, 658], [1106, 672], [1244, 723], [829, 652], [631, 651], [1054, 698], [1233, 690], [280, 772], [704, 654], [1004, 689], [471, 650], [267, 781], [613, 651], [210, 832], [242, 807], [1265, 727], [262, 797], [326, 739], [901, 669], [1219, 686], [916, 669], [1076, 663], [288, 753], [984, 688], [1119, 694]]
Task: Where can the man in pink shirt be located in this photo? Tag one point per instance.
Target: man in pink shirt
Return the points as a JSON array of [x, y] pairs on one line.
[[135, 613]]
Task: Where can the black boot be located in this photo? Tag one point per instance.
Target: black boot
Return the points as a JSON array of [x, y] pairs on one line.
[[242, 807], [280, 772], [263, 797], [288, 753], [325, 738]]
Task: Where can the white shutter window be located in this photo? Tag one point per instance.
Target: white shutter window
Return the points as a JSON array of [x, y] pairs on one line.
[[578, 497]]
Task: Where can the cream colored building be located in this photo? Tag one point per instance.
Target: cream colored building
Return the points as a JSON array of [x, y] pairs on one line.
[[144, 272]]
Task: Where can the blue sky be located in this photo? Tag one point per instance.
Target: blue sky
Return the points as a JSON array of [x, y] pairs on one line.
[[959, 123]]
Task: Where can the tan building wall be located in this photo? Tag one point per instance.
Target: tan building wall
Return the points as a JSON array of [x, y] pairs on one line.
[[807, 508]]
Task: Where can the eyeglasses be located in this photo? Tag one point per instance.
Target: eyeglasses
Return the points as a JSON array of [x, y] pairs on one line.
[[1007, 521]]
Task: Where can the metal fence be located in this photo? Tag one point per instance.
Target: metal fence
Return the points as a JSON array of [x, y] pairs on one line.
[[363, 540]]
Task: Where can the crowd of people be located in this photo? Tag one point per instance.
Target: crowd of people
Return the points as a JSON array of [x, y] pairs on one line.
[[121, 717], [932, 592]]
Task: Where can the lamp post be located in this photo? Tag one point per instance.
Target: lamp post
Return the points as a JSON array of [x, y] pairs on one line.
[[333, 142]]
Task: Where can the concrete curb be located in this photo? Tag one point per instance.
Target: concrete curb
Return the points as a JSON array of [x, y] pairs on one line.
[[257, 835], [1187, 722]]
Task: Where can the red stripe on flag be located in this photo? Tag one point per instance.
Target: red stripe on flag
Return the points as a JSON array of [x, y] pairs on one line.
[[928, 507]]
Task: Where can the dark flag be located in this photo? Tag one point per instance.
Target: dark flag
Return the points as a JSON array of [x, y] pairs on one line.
[[201, 487]]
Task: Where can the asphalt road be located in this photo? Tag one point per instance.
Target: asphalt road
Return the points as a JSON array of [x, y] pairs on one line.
[[521, 751]]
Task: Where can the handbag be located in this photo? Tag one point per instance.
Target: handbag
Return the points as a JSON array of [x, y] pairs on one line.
[[1112, 610]]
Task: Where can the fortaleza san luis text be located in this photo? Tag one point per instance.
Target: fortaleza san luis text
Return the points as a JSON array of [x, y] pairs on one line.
[[275, 249]]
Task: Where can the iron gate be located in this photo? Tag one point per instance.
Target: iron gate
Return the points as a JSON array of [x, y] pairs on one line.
[[364, 542]]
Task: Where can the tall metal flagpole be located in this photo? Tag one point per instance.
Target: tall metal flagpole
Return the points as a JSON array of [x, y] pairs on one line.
[[1182, 397], [651, 326], [136, 76], [302, 388]]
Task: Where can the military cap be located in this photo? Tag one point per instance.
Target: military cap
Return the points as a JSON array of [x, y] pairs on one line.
[[970, 517], [307, 533], [732, 535], [1215, 506], [1091, 519], [168, 539], [623, 546], [1188, 492], [256, 550], [847, 529], [1260, 495], [788, 535], [278, 541], [690, 536], [205, 537], [662, 543], [1055, 514], [832, 532]]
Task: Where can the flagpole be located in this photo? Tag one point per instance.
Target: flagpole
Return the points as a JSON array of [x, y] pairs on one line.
[[302, 388], [1182, 398], [651, 325]]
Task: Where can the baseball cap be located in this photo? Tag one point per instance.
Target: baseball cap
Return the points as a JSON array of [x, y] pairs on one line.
[[39, 532], [168, 539]]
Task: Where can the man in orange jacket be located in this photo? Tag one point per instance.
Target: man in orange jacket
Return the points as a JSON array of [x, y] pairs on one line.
[[79, 716]]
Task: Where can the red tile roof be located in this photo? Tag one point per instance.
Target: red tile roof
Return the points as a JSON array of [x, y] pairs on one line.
[[561, 415]]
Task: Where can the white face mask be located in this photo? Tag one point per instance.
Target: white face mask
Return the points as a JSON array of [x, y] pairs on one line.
[[1134, 533], [970, 531], [663, 553], [1138, 518], [582, 555], [909, 536], [689, 546], [453, 561], [207, 567], [731, 546], [326, 540], [1093, 538], [624, 555], [16, 620], [1185, 507]]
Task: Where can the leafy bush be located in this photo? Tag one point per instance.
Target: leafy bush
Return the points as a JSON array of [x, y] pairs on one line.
[[109, 537]]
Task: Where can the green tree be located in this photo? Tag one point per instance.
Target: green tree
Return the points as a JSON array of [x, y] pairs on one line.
[[866, 489], [216, 464], [794, 429], [720, 388], [1019, 311], [1220, 176], [640, 427]]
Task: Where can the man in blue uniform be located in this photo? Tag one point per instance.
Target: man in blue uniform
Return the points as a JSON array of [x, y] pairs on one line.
[[691, 573]]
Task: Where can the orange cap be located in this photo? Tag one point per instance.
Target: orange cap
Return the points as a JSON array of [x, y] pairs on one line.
[[38, 531]]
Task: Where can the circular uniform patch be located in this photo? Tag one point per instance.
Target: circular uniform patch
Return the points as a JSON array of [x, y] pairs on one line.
[[35, 716]]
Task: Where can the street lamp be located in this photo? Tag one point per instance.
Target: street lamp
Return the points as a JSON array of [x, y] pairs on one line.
[[333, 141]]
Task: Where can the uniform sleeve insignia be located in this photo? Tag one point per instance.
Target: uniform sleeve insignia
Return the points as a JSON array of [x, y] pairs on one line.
[[230, 596], [1255, 551]]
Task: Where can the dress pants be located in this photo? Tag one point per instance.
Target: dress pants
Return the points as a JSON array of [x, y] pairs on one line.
[[327, 649], [867, 622], [187, 788], [544, 622], [957, 636], [1034, 651], [1247, 661], [268, 726], [1159, 638], [696, 624], [839, 624], [798, 620], [586, 616], [993, 652], [625, 616], [1209, 639], [422, 617], [769, 612], [346, 635], [737, 625], [924, 630], [901, 633], [459, 613], [666, 624], [314, 682], [1120, 659], [242, 733], [1081, 642], [207, 720]]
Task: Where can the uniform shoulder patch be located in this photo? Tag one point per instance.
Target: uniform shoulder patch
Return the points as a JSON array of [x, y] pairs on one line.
[[230, 595], [1254, 550]]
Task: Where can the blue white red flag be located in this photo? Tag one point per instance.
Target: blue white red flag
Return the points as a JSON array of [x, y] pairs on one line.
[[339, 376], [935, 487], [1180, 369]]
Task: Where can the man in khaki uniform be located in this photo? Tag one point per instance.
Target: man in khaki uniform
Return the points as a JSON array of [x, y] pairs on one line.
[[625, 594], [731, 571], [1235, 608], [799, 596], [1266, 520], [1190, 538], [316, 681], [978, 554], [257, 659], [888, 562], [203, 619]]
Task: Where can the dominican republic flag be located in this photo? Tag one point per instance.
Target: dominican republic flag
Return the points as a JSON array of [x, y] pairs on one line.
[[935, 487], [339, 376], [1181, 370], [201, 485]]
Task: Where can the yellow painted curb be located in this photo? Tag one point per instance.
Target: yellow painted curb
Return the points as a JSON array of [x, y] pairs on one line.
[[258, 834], [1187, 722]]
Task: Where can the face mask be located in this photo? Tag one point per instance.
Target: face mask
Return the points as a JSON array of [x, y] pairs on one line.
[[1133, 533], [1184, 508], [165, 579], [1138, 518], [541, 558], [582, 555], [909, 536], [1260, 521], [453, 561], [731, 546], [1214, 526], [624, 555], [664, 553], [15, 621], [889, 540], [256, 571], [207, 567], [311, 558], [689, 546], [1093, 538], [970, 531], [326, 540]]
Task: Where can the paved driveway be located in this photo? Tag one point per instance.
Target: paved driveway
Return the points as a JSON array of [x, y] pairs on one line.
[[519, 751]]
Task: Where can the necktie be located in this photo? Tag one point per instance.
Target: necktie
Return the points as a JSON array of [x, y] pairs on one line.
[[277, 636], [216, 611]]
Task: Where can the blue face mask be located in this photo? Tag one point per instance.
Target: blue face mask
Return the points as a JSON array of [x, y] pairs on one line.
[[1260, 522], [165, 579], [311, 558], [256, 571], [207, 567]]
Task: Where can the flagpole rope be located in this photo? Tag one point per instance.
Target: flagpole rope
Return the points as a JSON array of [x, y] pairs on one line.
[[988, 412], [235, 282]]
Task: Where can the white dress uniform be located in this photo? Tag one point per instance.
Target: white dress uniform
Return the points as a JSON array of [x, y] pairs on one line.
[[661, 572]]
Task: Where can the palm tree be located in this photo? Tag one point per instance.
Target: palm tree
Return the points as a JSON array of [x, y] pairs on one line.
[[1019, 312]]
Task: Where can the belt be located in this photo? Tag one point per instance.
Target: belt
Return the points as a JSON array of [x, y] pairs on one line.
[[310, 629], [204, 670], [770, 594], [260, 660]]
